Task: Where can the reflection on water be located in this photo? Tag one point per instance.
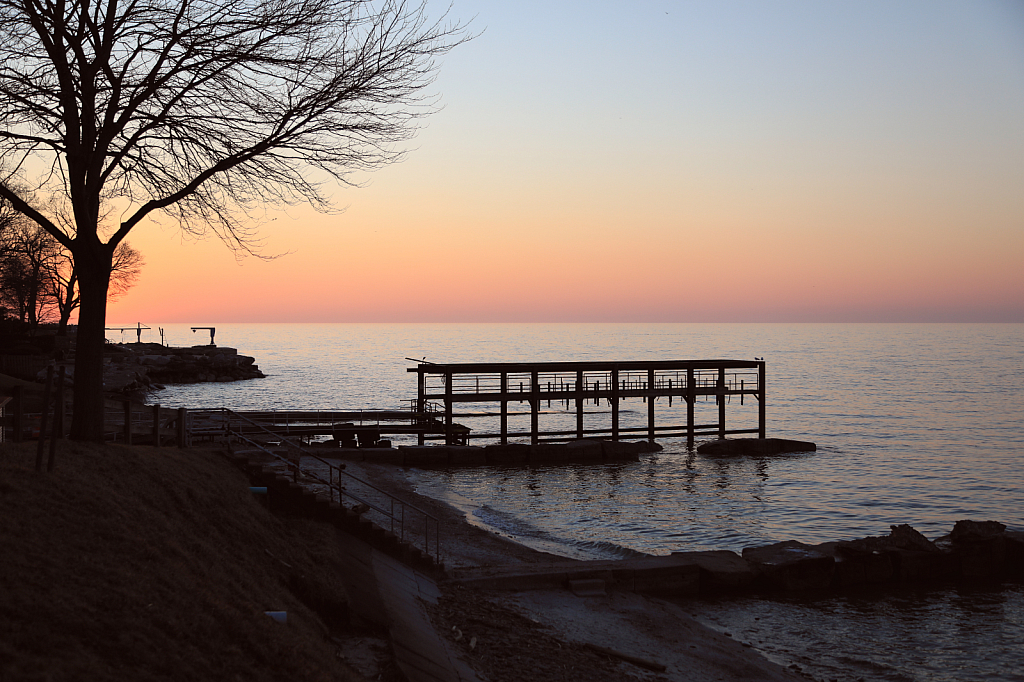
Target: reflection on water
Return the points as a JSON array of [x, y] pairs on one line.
[[944, 635], [677, 500]]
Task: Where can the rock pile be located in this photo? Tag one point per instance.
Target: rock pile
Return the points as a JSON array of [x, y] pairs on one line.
[[146, 366], [974, 550]]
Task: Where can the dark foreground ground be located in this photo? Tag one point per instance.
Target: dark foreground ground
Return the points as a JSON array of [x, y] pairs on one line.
[[158, 564], [141, 563]]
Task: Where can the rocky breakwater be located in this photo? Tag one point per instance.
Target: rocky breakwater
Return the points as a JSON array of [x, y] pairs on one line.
[[976, 552], [973, 551], [135, 367]]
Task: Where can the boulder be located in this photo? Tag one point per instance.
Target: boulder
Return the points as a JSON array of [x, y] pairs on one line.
[[791, 566], [971, 531], [905, 555], [907, 537], [981, 548]]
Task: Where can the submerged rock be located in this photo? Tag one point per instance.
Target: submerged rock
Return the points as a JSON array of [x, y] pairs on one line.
[[970, 531]]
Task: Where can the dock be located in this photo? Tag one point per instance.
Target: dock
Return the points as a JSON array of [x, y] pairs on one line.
[[583, 383], [349, 428]]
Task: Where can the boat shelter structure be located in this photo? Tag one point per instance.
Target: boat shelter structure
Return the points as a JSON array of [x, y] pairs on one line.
[[583, 383]]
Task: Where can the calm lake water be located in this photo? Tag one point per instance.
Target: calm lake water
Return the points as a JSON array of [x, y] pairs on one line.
[[919, 424]]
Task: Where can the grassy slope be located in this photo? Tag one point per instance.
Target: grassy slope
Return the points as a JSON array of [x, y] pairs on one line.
[[143, 563]]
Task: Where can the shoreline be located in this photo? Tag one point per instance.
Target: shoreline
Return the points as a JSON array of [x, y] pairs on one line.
[[477, 547], [644, 628]]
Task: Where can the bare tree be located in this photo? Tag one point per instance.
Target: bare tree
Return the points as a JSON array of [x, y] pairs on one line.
[[28, 253], [203, 110], [61, 281]]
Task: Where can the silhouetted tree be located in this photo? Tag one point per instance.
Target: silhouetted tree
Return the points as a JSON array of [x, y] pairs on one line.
[[204, 110], [61, 281], [27, 253], [38, 280]]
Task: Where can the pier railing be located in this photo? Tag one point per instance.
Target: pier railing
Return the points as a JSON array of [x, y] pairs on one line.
[[592, 383], [563, 383], [407, 521]]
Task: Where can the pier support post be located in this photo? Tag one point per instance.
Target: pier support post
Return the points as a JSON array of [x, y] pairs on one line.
[[127, 422], [421, 407], [615, 403], [760, 407], [504, 408], [691, 398], [534, 409], [721, 403], [579, 404], [156, 425], [448, 436], [650, 405]]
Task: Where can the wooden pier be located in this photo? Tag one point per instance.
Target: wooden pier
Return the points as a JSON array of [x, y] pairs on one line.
[[586, 383], [349, 428]]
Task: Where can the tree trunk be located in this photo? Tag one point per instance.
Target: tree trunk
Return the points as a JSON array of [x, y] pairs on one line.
[[66, 305], [93, 281]]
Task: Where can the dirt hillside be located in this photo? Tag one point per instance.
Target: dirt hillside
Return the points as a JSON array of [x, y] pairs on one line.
[[144, 564]]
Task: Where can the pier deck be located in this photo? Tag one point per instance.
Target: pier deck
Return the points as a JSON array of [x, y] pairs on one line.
[[346, 426]]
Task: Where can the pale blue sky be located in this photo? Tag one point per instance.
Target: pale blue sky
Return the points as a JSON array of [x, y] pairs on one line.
[[842, 161]]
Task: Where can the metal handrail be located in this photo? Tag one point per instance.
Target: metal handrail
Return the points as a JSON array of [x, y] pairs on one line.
[[339, 487]]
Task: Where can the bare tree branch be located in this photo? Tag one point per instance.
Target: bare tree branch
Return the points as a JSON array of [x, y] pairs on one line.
[[206, 111]]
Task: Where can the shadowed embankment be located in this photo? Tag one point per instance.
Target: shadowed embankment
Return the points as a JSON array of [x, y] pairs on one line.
[[142, 563]]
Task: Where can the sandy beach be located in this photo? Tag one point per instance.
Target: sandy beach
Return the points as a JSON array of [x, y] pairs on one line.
[[556, 634]]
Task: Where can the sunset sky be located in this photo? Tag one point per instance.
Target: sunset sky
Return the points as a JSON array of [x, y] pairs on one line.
[[665, 161]]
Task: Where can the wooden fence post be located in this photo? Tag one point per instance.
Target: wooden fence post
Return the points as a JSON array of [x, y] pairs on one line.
[[127, 422], [19, 413], [182, 430], [43, 420], [58, 419], [156, 425]]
